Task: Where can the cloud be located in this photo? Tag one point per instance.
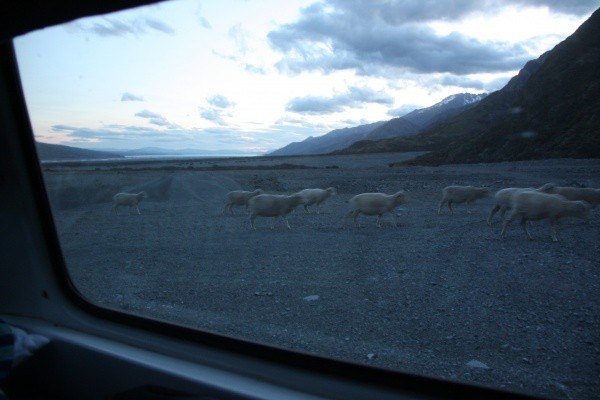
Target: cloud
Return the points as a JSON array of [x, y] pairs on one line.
[[204, 23], [131, 97], [220, 101], [156, 119], [112, 27], [375, 38], [239, 37], [159, 26], [355, 97], [213, 115], [147, 114], [461, 81], [403, 110]]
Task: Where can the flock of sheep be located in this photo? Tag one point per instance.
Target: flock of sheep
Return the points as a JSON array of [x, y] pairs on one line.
[[529, 204]]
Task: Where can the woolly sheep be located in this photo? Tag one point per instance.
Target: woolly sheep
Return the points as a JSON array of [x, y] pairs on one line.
[[589, 195], [375, 204], [502, 201], [272, 205], [315, 196], [239, 198], [533, 205], [461, 194], [128, 199]]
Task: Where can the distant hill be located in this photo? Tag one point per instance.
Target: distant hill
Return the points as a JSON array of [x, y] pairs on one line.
[[334, 140], [408, 125], [57, 152], [551, 109], [450, 106]]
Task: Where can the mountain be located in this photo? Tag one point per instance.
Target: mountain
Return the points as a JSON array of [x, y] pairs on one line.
[[450, 106], [393, 128], [334, 140], [57, 152], [405, 126], [551, 109]]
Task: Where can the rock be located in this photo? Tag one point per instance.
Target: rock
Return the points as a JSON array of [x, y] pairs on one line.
[[313, 297], [477, 364]]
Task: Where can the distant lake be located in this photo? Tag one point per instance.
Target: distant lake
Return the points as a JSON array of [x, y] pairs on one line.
[[182, 156]]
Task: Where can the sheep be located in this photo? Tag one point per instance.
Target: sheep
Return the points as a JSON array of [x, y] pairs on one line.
[[589, 195], [315, 196], [502, 201], [128, 199], [534, 205], [461, 194], [375, 204], [239, 198], [273, 205]]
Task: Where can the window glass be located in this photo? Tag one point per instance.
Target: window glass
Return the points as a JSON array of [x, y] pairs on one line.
[[149, 122]]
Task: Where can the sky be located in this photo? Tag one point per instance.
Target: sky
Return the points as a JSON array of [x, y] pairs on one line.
[[256, 75]]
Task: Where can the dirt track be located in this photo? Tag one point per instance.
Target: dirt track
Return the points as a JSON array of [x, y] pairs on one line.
[[441, 295]]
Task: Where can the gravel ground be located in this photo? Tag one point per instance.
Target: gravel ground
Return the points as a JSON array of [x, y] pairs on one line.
[[440, 295]]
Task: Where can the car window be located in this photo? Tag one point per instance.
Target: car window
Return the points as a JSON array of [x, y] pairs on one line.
[[327, 177]]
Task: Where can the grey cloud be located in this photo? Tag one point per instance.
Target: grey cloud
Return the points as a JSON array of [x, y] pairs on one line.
[[113, 27], [254, 69], [213, 116], [147, 114], [204, 23], [220, 101], [131, 97], [156, 119], [62, 128], [461, 81], [403, 110], [376, 37], [355, 97], [160, 26], [238, 35], [496, 84], [395, 12]]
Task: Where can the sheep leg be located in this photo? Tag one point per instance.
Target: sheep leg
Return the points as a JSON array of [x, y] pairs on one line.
[[450, 207], [378, 223], [252, 217], [553, 230], [138, 209], [505, 226], [286, 222], [502, 212], [354, 215], [440, 206], [393, 218], [493, 211], [115, 208], [524, 225], [306, 209]]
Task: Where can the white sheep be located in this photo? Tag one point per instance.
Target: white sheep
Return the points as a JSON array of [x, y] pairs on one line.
[[315, 196], [273, 205], [534, 205], [128, 199], [589, 195], [461, 194], [502, 201], [375, 204], [239, 198]]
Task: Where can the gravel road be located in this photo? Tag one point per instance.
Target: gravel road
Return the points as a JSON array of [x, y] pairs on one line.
[[440, 295]]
